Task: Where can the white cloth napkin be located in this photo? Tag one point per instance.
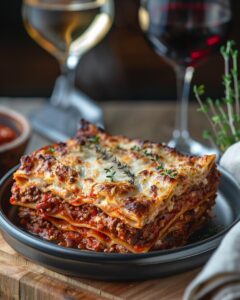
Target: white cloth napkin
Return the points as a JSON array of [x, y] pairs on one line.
[[220, 278], [231, 161]]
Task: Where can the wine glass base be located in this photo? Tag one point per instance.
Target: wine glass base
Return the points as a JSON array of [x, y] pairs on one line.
[[57, 123], [192, 147], [59, 118]]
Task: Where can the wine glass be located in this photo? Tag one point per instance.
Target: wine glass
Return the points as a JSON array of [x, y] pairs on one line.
[[66, 29], [185, 33]]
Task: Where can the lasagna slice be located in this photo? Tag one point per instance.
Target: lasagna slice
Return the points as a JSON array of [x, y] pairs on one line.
[[113, 194]]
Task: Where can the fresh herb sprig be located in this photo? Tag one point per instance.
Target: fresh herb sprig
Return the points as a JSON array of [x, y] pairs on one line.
[[135, 148], [94, 139], [111, 176], [108, 170], [160, 167], [171, 173], [51, 149], [106, 155], [125, 169], [223, 114]]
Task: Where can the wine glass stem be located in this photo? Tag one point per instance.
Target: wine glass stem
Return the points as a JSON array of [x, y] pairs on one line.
[[184, 78], [69, 73], [61, 95]]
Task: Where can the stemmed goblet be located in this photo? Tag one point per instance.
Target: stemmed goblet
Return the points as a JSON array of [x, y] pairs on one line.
[[185, 33], [66, 29]]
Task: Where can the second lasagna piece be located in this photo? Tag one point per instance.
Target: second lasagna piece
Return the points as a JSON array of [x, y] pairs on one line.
[[137, 194]]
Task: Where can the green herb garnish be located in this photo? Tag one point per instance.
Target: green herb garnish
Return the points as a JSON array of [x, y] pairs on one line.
[[135, 148], [111, 176], [108, 170], [169, 172], [223, 114], [51, 149], [106, 155], [160, 167], [94, 139], [147, 153], [125, 169], [118, 147], [153, 156]]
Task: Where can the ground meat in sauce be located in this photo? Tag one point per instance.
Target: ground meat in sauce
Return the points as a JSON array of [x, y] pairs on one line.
[[182, 229]]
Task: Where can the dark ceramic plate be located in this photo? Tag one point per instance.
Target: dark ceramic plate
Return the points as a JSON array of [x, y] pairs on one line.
[[123, 266]]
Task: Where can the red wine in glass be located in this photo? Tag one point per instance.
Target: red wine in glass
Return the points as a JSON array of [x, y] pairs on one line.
[[185, 33], [183, 39]]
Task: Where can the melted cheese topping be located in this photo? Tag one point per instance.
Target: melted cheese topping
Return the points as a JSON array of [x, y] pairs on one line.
[[126, 178]]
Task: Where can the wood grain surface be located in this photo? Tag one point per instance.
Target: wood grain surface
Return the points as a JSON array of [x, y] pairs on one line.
[[22, 279]]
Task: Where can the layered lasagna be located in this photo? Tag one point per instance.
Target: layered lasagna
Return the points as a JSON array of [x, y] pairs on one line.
[[113, 194]]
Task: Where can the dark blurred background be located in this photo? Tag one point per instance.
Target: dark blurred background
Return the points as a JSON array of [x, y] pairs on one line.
[[122, 67]]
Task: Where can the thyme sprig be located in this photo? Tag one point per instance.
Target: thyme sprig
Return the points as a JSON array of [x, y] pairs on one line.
[[153, 156], [51, 149], [108, 170], [160, 167], [105, 155], [111, 176], [111, 172], [135, 148], [172, 173], [94, 139], [125, 168], [224, 114]]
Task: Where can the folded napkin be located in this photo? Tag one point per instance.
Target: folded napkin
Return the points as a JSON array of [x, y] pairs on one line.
[[220, 278]]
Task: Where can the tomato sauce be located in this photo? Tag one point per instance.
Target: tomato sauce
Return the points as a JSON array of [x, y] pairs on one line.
[[6, 134]]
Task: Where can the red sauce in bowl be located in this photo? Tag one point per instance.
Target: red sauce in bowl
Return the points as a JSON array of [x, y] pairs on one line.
[[6, 134]]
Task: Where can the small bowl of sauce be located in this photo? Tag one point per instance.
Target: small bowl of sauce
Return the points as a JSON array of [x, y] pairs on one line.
[[15, 132]]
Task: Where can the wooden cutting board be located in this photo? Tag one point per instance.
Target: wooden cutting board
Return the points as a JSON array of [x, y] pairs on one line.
[[22, 279]]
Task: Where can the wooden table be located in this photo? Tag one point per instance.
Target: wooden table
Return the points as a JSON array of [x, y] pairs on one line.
[[21, 279]]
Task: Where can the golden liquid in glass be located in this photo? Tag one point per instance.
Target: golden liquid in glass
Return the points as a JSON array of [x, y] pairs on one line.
[[66, 28]]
